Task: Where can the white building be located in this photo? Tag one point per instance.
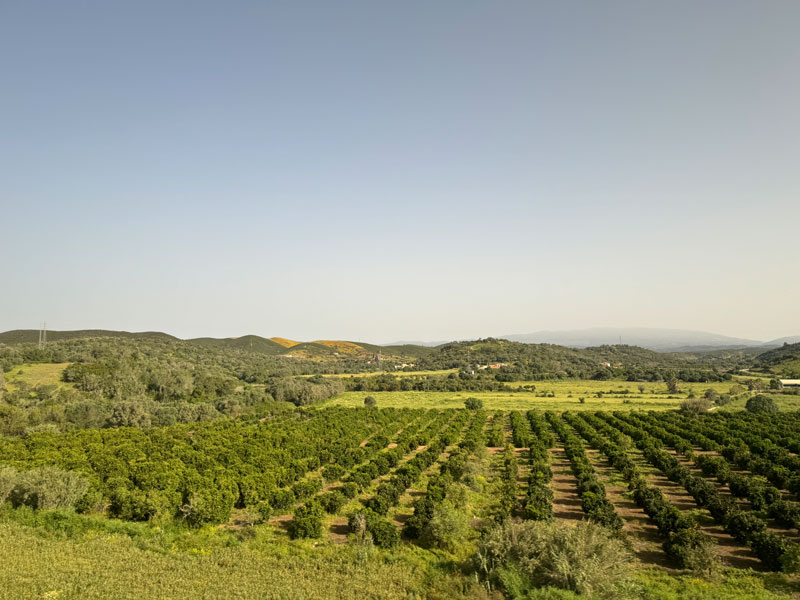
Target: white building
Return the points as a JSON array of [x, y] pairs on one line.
[[790, 382]]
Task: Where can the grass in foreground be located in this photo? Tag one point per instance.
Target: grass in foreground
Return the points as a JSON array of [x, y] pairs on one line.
[[102, 566], [98, 564]]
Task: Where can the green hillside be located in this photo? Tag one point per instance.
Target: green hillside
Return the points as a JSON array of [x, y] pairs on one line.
[[29, 336], [252, 343], [783, 361]]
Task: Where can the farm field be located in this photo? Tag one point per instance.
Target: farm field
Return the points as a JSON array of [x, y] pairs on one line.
[[395, 373], [785, 402], [390, 493], [548, 395]]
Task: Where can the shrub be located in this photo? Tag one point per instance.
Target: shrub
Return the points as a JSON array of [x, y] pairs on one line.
[[584, 558], [282, 499], [369, 402], [691, 549], [367, 525], [695, 406], [264, 510], [307, 521], [384, 534], [48, 488], [539, 503], [448, 528], [744, 525], [210, 502], [332, 502], [332, 473], [761, 404], [473, 404], [349, 489], [8, 479]]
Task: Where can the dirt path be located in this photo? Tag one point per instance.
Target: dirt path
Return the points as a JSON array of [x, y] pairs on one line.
[[566, 502]]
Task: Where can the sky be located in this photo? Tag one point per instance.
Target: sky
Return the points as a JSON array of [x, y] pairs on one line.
[[414, 170]]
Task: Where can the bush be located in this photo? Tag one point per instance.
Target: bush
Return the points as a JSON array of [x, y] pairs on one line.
[[695, 406], [8, 479], [332, 502], [332, 473], [349, 489], [264, 510], [369, 402], [761, 404], [691, 549], [282, 499], [367, 525], [46, 488], [539, 503], [307, 521], [473, 404], [772, 550], [384, 534], [448, 528], [584, 558]]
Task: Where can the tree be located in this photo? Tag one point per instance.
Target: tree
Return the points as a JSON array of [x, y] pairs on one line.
[[49, 488], [129, 414], [641, 388], [369, 402], [473, 404], [307, 521], [695, 406], [672, 384], [762, 404]]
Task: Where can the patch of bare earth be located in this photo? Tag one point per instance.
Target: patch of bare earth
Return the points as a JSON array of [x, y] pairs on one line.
[[566, 502], [339, 530]]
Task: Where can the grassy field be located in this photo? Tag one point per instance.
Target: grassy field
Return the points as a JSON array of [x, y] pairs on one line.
[[104, 566], [395, 373], [548, 395], [37, 374], [785, 402], [98, 566]]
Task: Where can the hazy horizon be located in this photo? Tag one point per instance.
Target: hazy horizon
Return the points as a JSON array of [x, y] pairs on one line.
[[411, 171], [408, 340]]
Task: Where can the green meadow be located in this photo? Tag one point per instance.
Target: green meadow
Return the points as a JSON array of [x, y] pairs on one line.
[[547, 395], [37, 374]]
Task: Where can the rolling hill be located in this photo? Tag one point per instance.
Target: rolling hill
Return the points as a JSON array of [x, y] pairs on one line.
[[28, 336], [253, 343], [783, 361], [274, 346]]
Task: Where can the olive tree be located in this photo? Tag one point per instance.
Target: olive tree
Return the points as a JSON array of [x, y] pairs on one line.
[[761, 404]]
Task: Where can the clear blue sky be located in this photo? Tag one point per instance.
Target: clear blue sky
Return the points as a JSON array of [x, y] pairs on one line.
[[400, 170]]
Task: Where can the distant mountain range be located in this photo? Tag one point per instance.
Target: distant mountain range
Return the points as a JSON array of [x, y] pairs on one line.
[[662, 340]]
